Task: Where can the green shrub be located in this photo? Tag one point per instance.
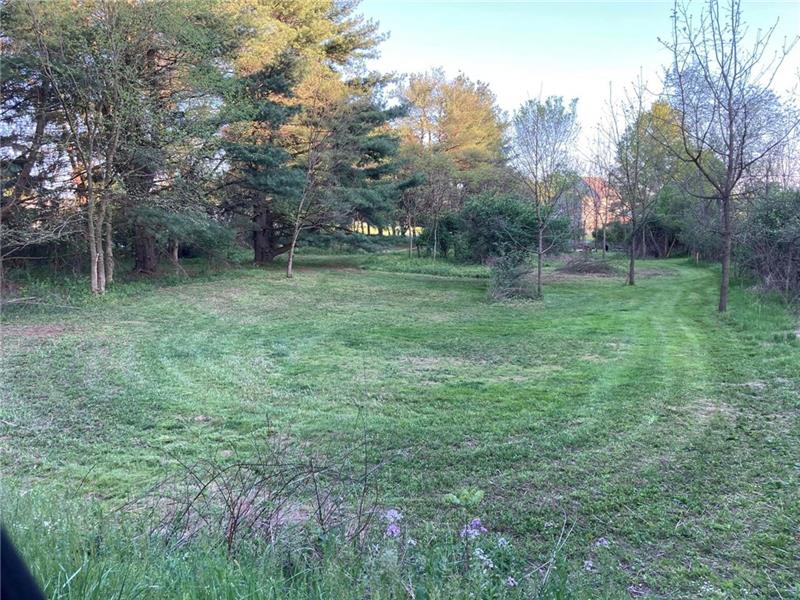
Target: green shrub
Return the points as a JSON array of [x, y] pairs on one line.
[[348, 242], [495, 226]]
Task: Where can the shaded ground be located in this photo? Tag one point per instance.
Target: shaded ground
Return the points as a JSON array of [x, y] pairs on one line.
[[637, 414]]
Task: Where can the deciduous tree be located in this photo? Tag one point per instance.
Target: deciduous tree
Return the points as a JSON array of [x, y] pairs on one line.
[[730, 118], [545, 133]]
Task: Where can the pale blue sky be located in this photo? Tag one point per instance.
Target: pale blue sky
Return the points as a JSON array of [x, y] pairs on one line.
[[572, 49]]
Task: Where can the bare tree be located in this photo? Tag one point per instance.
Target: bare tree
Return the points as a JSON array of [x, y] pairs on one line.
[[544, 138], [730, 119], [603, 197], [311, 209], [639, 166]]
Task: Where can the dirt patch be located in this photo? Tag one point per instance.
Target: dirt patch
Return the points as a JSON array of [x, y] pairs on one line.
[[705, 409], [470, 443], [587, 265], [656, 272], [639, 590], [561, 276], [429, 370], [25, 332]]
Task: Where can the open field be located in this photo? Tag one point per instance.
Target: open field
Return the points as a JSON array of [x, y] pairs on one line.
[[638, 415]]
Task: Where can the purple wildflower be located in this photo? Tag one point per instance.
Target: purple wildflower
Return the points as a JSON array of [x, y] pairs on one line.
[[473, 529], [393, 530], [393, 515], [511, 582]]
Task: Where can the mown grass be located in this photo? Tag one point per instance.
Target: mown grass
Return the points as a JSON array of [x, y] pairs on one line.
[[638, 415]]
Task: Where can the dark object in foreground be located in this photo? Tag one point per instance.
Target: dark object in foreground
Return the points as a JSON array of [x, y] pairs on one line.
[[16, 582]]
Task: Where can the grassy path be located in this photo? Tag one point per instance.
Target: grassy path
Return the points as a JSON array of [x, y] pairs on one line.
[[639, 415]]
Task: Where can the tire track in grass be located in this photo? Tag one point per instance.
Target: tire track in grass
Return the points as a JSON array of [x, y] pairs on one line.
[[615, 474], [701, 507]]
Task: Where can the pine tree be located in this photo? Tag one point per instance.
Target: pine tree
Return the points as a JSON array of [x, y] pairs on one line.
[[262, 183]]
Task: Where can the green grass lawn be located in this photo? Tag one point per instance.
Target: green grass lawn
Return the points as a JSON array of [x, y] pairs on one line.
[[638, 415]]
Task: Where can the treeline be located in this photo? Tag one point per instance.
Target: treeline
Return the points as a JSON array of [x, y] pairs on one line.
[[150, 130], [139, 132], [142, 127], [722, 137]]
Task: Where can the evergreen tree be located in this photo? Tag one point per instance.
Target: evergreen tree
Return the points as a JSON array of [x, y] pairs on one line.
[[345, 148], [262, 183]]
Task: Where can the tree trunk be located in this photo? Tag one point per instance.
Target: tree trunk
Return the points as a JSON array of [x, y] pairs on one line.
[[264, 250], [109, 252], [410, 237], [539, 252], [596, 225], [632, 250], [604, 241], [144, 250], [23, 178], [94, 280], [290, 262], [97, 276], [644, 241], [173, 247], [101, 255], [98, 250], [435, 237], [727, 237], [657, 250], [632, 264], [632, 257], [101, 264], [173, 252]]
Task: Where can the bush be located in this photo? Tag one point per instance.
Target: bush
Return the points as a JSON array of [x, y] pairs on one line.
[[198, 234], [496, 226], [444, 232], [347, 242], [616, 233], [770, 248], [508, 278]]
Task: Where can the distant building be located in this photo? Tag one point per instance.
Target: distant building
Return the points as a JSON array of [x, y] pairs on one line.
[[591, 203]]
